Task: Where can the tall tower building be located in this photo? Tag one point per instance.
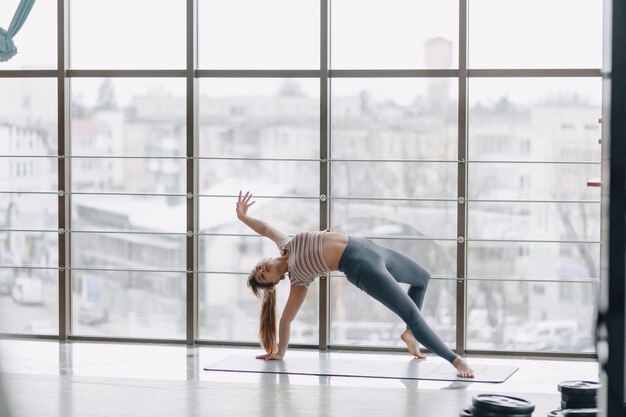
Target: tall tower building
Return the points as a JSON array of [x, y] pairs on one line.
[[438, 55]]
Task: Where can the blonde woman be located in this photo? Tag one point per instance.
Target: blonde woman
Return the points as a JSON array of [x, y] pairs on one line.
[[375, 269]]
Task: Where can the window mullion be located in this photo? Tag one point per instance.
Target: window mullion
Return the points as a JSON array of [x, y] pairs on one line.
[[63, 171], [462, 212], [324, 287], [191, 246]]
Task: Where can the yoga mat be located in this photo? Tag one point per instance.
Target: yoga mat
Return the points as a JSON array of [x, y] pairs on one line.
[[363, 368]]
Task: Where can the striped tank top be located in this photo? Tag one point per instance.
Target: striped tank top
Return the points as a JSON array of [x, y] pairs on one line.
[[306, 259]]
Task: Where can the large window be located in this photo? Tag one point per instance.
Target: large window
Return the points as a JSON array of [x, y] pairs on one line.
[[128, 207], [535, 34], [394, 176], [367, 34], [447, 130], [119, 34], [28, 206], [533, 223], [260, 135], [36, 40]]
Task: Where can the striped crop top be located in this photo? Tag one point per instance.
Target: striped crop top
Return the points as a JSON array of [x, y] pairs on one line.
[[306, 259]]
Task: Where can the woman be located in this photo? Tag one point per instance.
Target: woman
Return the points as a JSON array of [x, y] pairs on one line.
[[374, 269]]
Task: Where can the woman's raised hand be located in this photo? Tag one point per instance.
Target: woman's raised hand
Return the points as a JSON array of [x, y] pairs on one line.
[[243, 204]]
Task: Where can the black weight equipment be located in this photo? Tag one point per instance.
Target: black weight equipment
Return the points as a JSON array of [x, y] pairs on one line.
[[579, 388], [501, 404], [477, 412], [577, 398], [580, 412], [570, 405]]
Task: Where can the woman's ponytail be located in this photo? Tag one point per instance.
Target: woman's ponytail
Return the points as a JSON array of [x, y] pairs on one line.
[[267, 320], [267, 323]]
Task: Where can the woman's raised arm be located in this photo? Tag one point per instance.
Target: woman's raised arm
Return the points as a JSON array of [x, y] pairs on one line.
[[259, 226]]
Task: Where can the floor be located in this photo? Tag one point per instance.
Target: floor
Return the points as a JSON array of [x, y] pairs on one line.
[[80, 379]]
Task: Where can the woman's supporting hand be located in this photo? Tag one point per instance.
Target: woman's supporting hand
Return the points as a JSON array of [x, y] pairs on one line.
[[243, 204], [270, 357]]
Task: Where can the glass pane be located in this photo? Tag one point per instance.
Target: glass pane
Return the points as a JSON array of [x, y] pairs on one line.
[[28, 211], [394, 179], [217, 215], [533, 260], [129, 175], [36, 41], [29, 300], [143, 36], [535, 34], [394, 35], [28, 174], [129, 117], [533, 181], [247, 34], [229, 311], [534, 221], [261, 177], [236, 254], [358, 319], [136, 213], [538, 316], [435, 220], [28, 296], [132, 251], [37, 249], [540, 119], [397, 118], [28, 116], [128, 304], [259, 118]]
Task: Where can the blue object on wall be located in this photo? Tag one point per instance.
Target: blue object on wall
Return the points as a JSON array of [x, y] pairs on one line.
[[7, 47]]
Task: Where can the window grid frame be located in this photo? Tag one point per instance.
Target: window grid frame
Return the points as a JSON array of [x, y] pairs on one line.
[[192, 74]]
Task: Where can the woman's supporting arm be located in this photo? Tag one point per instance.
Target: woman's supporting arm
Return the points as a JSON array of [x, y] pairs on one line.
[[297, 295]]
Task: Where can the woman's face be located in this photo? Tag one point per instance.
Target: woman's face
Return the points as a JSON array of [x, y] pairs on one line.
[[266, 272]]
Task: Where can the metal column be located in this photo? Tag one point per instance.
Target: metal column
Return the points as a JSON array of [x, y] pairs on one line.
[[461, 247], [324, 283], [192, 174], [64, 168]]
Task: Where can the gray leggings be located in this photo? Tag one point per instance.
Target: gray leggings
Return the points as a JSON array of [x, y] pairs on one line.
[[377, 270]]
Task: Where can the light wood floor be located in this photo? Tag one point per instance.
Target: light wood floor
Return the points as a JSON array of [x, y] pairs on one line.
[[102, 379]]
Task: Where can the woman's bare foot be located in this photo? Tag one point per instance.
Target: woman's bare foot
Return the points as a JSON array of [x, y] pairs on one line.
[[412, 343], [464, 370]]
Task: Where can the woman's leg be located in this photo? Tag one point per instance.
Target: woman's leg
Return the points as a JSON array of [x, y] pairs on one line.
[[378, 282], [406, 270]]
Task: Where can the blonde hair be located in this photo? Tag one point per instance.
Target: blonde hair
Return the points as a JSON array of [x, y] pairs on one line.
[[267, 321]]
